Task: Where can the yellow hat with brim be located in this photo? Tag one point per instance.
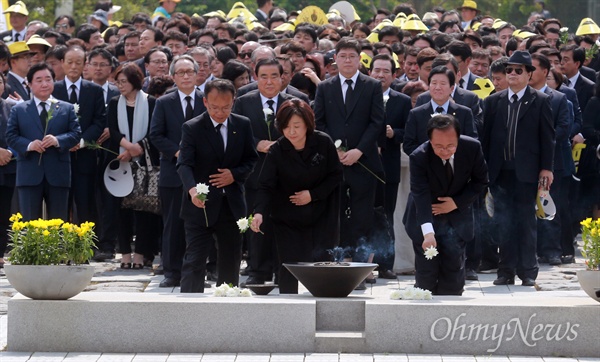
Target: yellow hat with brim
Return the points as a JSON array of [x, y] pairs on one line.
[[38, 40], [365, 59], [373, 37], [254, 24], [216, 14], [414, 23], [19, 7], [18, 48], [587, 27], [312, 14], [400, 20], [384, 23], [469, 4], [498, 23], [287, 26], [523, 34], [239, 10]]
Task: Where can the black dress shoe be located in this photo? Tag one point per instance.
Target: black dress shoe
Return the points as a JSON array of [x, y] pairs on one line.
[[169, 283], [471, 274], [387, 274], [528, 282], [542, 260], [554, 260], [567, 259], [251, 281], [504, 281], [212, 276], [361, 286], [102, 256], [207, 285]]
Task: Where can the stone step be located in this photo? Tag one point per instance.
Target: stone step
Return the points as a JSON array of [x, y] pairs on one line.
[[340, 341]]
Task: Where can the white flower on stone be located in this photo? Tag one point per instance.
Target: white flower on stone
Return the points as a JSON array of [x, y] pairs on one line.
[[245, 293], [224, 290], [396, 294], [431, 252], [242, 224], [411, 293], [233, 292], [419, 294], [268, 112], [202, 191]]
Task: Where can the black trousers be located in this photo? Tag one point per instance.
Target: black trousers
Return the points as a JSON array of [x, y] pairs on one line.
[[515, 225], [198, 241], [445, 273], [146, 227], [6, 195], [32, 197], [261, 247], [382, 237], [173, 240], [109, 215], [82, 197]]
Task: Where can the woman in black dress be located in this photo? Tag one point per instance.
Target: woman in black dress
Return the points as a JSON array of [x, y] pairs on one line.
[[300, 182], [129, 118]]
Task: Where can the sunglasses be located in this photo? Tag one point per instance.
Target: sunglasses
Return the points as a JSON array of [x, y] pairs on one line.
[[245, 55], [519, 71]]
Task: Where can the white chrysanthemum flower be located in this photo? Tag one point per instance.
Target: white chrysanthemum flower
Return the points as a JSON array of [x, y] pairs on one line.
[[232, 292], [219, 293], [337, 143], [428, 295], [76, 107], [267, 112], [7, 39], [243, 224], [385, 99], [419, 294], [563, 29], [431, 252], [396, 294], [408, 293], [245, 293], [202, 189]]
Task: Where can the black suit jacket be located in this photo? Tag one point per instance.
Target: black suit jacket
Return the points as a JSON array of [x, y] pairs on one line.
[[428, 181], [464, 98], [589, 73], [534, 150], [13, 85], [11, 167], [471, 82], [165, 133], [250, 105], [291, 90], [359, 128], [396, 115], [577, 111], [92, 119], [585, 90], [415, 132], [562, 126], [202, 154]]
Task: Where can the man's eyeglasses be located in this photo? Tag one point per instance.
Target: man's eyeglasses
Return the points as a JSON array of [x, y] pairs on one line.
[[509, 70], [449, 148], [62, 26], [189, 72], [222, 109], [159, 62], [245, 55]]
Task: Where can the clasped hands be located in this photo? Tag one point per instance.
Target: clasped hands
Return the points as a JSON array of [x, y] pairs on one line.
[[40, 146], [350, 157]]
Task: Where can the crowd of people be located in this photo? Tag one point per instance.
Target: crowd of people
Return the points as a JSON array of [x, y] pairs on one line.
[[304, 125]]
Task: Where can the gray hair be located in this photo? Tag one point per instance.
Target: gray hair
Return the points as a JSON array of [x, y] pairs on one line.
[[183, 57], [262, 49], [201, 51]]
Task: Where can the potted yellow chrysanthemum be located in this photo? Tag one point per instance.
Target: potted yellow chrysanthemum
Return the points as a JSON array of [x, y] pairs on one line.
[[47, 257], [590, 278]]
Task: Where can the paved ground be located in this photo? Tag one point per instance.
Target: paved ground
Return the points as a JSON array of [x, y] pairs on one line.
[[558, 280]]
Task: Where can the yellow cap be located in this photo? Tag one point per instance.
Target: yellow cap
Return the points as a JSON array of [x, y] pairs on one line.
[[483, 87], [239, 10], [287, 26], [523, 34], [586, 27], [498, 23], [19, 7], [400, 19], [382, 24], [18, 48], [218, 14], [469, 4], [312, 14], [38, 40], [373, 37], [414, 23]]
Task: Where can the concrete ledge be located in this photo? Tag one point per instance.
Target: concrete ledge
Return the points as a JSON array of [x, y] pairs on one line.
[[537, 325]]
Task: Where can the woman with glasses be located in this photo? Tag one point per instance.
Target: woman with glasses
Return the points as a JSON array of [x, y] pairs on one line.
[[129, 118], [65, 24]]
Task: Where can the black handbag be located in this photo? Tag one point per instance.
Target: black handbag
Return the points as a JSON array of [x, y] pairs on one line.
[[144, 196]]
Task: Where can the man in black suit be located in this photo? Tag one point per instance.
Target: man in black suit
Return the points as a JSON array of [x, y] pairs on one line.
[[460, 96], [462, 53], [19, 64], [41, 131], [264, 7], [349, 107], [170, 113], [18, 15], [396, 106], [572, 59], [549, 231], [217, 149], [92, 118], [447, 174], [518, 143], [441, 83], [255, 105]]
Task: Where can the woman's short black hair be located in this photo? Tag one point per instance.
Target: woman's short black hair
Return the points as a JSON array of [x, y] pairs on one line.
[[296, 107]]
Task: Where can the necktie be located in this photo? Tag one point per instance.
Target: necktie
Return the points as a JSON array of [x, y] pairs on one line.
[[189, 111], [514, 98], [17, 36], [73, 95], [43, 115], [270, 103], [461, 83], [26, 86], [220, 138], [439, 110], [568, 82], [449, 172], [348, 93]]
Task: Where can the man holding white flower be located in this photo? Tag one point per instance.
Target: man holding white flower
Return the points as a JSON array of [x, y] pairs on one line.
[[446, 176], [217, 149]]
